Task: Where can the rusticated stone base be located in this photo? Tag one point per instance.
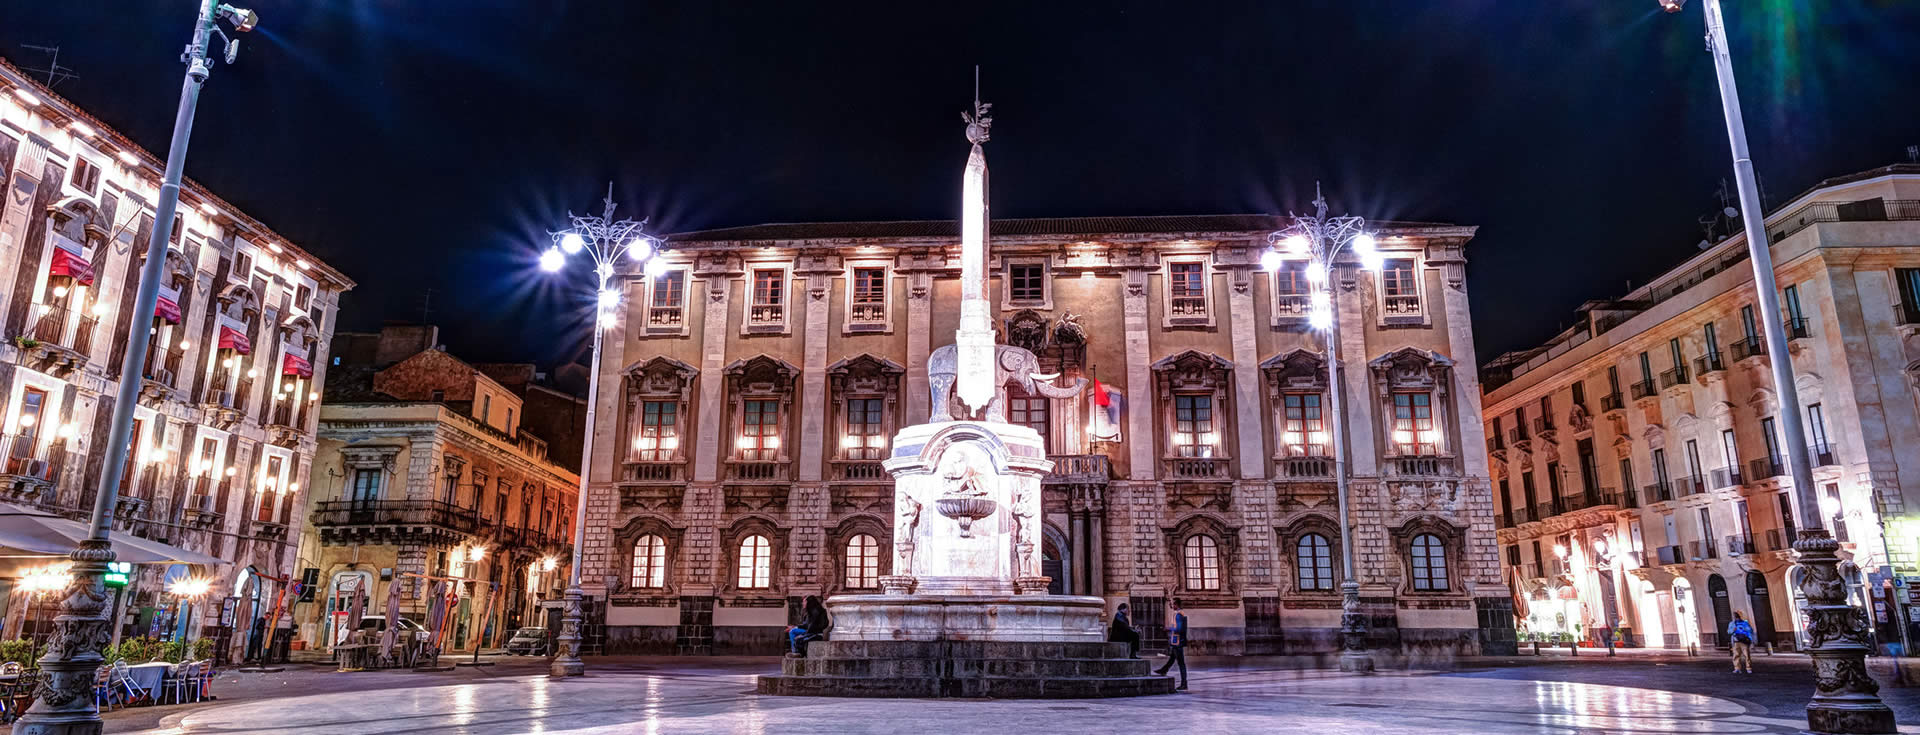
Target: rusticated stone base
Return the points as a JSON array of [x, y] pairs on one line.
[[1006, 618], [973, 669]]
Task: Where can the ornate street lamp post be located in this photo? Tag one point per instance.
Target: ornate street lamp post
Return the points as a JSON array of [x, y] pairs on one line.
[[64, 702], [1845, 698], [1321, 238], [607, 242]]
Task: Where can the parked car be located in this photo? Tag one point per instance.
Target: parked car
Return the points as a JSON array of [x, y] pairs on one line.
[[528, 642]]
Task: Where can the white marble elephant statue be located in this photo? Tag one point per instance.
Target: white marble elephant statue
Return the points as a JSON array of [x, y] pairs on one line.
[[1011, 364]]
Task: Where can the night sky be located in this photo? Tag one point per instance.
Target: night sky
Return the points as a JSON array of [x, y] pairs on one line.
[[423, 145]]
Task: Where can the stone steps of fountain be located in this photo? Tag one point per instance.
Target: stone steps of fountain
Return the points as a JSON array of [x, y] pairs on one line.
[[1042, 670]]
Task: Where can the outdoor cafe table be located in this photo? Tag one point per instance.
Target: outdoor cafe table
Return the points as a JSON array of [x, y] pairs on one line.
[[148, 676]]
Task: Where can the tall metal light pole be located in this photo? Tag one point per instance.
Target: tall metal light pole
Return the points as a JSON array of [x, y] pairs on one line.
[[1321, 238], [64, 704], [607, 242], [1846, 699]]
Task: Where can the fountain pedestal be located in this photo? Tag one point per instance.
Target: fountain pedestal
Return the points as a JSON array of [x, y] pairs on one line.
[[966, 613]]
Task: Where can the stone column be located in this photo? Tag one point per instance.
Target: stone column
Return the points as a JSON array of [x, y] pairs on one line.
[[1077, 554], [713, 380], [814, 434], [919, 345], [1141, 403]]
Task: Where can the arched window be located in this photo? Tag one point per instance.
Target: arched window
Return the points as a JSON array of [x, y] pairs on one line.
[[863, 562], [1429, 563], [1314, 558], [756, 562], [649, 562], [1202, 563]]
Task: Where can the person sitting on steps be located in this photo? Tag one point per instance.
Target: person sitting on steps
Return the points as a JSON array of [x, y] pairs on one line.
[[813, 627]]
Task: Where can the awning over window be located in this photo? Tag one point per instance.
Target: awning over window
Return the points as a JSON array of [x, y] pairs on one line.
[[296, 365], [71, 264], [232, 339], [168, 307]]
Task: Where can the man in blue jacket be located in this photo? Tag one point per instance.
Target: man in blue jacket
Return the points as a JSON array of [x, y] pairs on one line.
[[1740, 634], [1176, 644]]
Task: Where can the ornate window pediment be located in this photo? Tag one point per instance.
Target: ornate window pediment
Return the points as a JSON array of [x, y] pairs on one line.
[[1299, 370], [1192, 371], [1190, 562], [1410, 368], [660, 378], [657, 403]]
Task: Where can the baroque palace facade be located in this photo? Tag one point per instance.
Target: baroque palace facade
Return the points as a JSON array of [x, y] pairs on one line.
[[1640, 477], [752, 388], [223, 434], [430, 477]]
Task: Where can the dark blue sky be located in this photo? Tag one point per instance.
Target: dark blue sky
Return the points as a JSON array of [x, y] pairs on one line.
[[419, 145]]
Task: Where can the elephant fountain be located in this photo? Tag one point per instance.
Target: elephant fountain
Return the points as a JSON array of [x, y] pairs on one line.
[[1011, 364]]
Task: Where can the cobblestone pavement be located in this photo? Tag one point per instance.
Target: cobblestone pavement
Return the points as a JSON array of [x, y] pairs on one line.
[[1552, 694]]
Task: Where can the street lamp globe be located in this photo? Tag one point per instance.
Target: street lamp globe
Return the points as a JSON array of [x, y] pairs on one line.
[[639, 248], [655, 268], [551, 260], [609, 298], [1320, 318], [1316, 272], [572, 242], [1271, 260], [1364, 243], [1371, 260], [1297, 243]]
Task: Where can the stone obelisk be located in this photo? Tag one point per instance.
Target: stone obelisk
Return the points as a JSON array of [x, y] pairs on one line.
[[973, 341]]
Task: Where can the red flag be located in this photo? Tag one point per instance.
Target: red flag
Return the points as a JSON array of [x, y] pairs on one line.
[[1100, 397]]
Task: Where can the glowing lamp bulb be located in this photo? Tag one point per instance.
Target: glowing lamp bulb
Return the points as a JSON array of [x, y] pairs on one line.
[[606, 320], [1320, 318], [609, 298], [25, 421], [254, 373], [655, 268], [1320, 300], [59, 292], [572, 243], [1599, 546], [83, 130], [1560, 551], [127, 157], [1271, 260], [1298, 243], [548, 564], [208, 210], [1364, 243], [640, 248], [100, 309], [1317, 272], [1371, 260], [551, 260]]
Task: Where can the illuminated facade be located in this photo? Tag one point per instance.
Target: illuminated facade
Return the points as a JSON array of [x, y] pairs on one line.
[[429, 474], [1639, 476], [223, 434], [753, 387]]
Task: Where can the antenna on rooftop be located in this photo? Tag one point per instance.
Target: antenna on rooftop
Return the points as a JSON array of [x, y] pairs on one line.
[[55, 73]]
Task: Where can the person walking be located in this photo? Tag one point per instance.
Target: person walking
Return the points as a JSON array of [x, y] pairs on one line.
[[1176, 644], [813, 627], [1122, 631], [1740, 632]]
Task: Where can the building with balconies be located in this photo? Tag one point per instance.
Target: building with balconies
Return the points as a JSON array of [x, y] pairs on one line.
[[430, 480], [223, 431], [751, 389], [1668, 498]]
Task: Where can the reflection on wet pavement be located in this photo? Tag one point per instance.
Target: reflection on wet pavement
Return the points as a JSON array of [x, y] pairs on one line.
[[666, 700]]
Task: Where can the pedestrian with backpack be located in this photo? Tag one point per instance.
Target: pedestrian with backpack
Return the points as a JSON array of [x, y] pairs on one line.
[[1740, 632]]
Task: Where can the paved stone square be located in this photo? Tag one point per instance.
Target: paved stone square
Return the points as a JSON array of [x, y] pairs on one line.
[[1554, 694]]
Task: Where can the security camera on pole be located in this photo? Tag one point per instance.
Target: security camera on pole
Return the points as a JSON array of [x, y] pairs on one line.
[[65, 703], [1321, 238], [607, 242], [1845, 698]]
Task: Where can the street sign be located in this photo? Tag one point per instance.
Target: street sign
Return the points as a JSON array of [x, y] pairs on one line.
[[118, 573]]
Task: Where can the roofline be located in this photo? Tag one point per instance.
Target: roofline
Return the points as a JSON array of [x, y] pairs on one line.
[[716, 236], [13, 76]]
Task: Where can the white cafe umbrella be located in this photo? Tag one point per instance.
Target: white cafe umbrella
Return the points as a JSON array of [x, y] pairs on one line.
[[39, 532]]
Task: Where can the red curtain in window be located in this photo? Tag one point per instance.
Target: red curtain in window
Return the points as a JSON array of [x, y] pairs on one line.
[[294, 364], [71, 264], [232, 339], [167, 308]]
